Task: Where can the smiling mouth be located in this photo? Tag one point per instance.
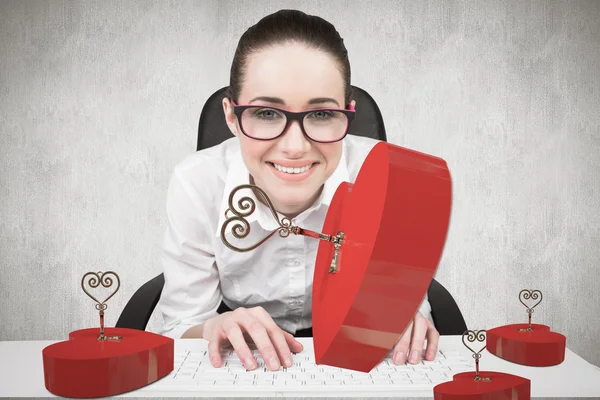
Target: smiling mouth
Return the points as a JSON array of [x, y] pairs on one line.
[[289, 170]]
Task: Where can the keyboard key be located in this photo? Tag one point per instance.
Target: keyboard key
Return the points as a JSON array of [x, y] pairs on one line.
[[261, 380], [311, 370], [401, 381], [237, 369], [245, 380], [205, 381], [363, 382], [382, 381], [452, 354], [184, 375], [459, 369], [216, 374], [291, 382], [302, 376], [438, 378], [188, 369]]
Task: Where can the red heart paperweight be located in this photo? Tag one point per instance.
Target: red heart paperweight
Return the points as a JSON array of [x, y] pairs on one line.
[[86, 367], [501, 387], [538, 347], [482, 385], [392, 224], [527, 344]]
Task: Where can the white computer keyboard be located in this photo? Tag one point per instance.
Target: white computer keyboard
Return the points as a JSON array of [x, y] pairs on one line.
[[194, 372]]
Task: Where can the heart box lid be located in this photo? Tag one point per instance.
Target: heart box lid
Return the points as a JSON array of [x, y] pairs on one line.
[[382, 240]]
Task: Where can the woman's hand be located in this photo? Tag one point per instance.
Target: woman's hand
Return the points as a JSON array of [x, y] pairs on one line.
[[275, 345], [412, 340]]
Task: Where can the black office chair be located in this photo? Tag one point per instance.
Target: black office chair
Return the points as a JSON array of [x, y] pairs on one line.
[[213, 130]]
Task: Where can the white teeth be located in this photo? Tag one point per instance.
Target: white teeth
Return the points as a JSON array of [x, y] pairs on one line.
[[292, 170]]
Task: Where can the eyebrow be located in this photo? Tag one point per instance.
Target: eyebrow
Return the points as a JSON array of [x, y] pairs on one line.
[[277, 100]]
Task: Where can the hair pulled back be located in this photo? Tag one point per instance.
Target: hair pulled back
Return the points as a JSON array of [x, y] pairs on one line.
[[288, 26]]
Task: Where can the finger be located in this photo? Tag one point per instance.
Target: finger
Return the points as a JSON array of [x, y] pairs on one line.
[[418, 338], [214, 349], [293, 343], [277, 338], [433, 339], [281, 346], [261, 338], [401, 348], [284, 342], [236, 338]]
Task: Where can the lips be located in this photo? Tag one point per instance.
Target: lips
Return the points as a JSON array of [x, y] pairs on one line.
[[292, 170]]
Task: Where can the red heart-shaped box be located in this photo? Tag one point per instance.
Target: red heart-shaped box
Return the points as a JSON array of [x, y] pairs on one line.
[[395, 219], [537, 348], [501, 387], [85, 367]]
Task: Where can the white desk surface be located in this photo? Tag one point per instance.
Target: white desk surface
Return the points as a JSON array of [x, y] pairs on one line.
[[22, 375]]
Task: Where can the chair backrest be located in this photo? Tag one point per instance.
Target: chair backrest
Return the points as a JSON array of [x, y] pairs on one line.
[[212, 129]]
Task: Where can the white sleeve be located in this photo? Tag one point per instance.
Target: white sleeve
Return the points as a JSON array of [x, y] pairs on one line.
[[191, 293], [425, 308]]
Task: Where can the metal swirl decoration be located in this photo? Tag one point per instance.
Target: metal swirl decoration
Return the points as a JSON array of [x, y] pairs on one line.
[[100, 278], [527, 294], [241, 227], [473, 336]]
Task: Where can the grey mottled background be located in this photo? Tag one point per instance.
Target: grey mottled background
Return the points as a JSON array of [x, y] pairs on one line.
[[100, 99]]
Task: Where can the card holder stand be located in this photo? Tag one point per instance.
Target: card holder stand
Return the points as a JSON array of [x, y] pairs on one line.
[[107, 361], [482, 385], [527, 344]]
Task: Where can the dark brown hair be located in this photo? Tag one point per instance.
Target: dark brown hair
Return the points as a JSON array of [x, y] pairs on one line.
[[289, 26]]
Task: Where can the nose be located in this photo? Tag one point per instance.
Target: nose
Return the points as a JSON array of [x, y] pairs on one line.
[[293, 143]]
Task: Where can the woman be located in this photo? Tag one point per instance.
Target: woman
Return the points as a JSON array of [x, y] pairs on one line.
[[287, 62]]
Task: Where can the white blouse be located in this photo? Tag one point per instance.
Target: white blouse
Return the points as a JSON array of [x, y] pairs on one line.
[[200, 271]]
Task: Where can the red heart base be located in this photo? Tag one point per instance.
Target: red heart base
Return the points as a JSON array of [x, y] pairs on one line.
[[85, 367], [501, 387], [538, 348], [395, 219]]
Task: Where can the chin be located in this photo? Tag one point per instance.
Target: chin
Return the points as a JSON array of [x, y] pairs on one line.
[[289, 196], [293, 201]]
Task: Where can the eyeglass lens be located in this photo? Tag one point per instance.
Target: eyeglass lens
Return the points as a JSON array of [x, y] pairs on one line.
[[319, 125]]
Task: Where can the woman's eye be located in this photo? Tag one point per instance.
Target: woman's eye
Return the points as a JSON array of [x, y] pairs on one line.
[[266, 113], [322, 114]]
